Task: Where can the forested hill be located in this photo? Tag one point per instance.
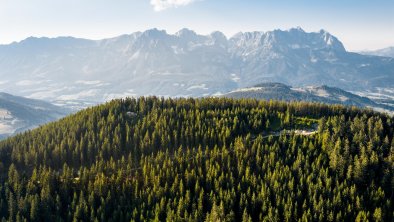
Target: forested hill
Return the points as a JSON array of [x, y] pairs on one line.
[[212, 159]]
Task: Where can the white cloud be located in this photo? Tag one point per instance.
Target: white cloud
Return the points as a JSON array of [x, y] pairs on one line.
[[160, 5]]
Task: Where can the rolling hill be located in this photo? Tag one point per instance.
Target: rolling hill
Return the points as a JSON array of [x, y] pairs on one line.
[[321, 94], [18, 114], [212, 159]]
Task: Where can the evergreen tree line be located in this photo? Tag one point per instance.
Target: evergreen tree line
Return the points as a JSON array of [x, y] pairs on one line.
[[212, 159]]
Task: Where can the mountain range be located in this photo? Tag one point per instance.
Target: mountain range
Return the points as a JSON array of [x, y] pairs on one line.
[[18, 114], [78, 72], [321, 94]]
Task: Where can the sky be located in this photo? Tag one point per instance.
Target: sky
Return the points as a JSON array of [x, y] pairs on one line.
[[359, 24]]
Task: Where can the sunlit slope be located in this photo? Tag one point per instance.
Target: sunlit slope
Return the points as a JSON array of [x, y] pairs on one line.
[[205, 159]]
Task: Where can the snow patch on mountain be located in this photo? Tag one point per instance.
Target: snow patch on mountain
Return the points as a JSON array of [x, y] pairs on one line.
[[87, 82], [80, 95], [201, 86]]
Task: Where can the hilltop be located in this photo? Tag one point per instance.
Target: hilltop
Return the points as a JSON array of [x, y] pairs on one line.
[[202, 160]]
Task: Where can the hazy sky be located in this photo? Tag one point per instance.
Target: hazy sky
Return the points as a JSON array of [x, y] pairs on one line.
[[359, 24]]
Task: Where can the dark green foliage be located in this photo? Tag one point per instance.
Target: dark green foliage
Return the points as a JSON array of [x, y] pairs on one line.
[[201, 160]]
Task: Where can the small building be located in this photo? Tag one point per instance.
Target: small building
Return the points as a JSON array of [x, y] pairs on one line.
[[131, 114]]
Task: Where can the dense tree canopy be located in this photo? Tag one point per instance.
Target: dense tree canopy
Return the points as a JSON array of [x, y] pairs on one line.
[[201, 160]]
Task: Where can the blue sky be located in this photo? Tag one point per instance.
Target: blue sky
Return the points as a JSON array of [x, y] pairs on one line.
[[359, 24]]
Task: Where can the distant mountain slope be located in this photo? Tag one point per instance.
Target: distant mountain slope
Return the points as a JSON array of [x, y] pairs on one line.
[[323, 94], [154, 62], [18, 114], [387, 52]]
